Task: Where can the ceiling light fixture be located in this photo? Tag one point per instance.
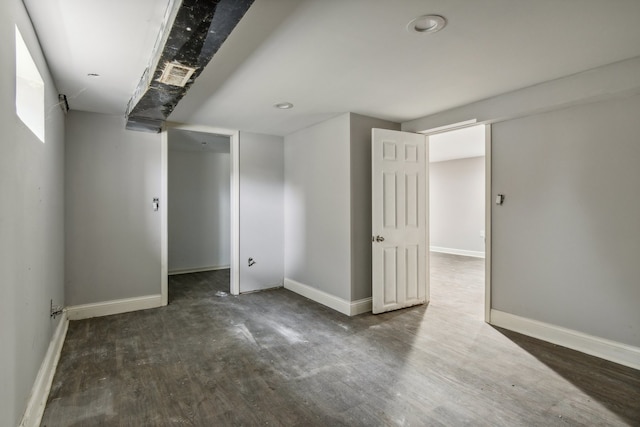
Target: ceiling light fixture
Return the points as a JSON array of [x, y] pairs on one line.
[[284, 105], [427, 24]]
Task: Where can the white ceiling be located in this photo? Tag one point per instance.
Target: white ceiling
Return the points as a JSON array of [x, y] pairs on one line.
[[333, 56], [113, 38], [457, 144], [186, 140]]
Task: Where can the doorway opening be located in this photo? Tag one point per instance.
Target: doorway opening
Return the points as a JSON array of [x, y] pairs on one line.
[[458, 220], [199, 212], [200, 187]]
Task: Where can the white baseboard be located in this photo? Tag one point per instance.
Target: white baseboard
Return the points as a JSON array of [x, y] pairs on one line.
[[350, 308], [268, 288], [605, 349], [452, 251], [360, 306], [107, 308], [42, 385], [198, 270]]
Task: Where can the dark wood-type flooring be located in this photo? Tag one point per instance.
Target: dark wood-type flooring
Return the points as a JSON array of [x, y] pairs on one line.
[[275, 358]]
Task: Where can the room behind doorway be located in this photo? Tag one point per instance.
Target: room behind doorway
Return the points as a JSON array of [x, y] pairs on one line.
[[457, 219], [199, 205]]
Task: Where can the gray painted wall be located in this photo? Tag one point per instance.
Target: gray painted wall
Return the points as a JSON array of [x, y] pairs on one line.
[[328, 205], [618, 79], [199, 209], [317, 207], [31, 224], [360, 173], [456, 204], [113, 235], [261, 211], [567, 239]]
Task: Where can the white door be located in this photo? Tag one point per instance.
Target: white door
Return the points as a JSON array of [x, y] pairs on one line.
[[399, 219]]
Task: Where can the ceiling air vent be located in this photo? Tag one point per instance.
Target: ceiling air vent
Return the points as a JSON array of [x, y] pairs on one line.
[[175, 74]]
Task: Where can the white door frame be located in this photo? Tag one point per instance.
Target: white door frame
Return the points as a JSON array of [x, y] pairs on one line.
[[487, 223], [234, 145], [488, 204]]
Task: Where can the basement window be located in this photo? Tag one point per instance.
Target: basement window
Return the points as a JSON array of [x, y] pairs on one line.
[[29, 89]]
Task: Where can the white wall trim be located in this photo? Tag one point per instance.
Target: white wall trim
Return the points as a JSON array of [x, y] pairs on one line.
[[605, 349], [164, 218], [452, 251], [487, 217], [234, 150], [360, 306], [44, 379], [198, 270], [331, 301], [107, 308], [269, 288], [350, 308], [487, 222]]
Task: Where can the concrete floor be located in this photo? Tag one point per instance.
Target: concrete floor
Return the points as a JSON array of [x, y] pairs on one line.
[[276, 358]]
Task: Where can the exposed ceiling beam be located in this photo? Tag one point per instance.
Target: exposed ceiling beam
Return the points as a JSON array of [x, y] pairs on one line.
[[193, 32]]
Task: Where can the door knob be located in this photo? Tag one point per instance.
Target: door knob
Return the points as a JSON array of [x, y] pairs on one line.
[[379, 239]]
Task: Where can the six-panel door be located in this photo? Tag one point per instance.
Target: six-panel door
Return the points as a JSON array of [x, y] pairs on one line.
[[399, 219]]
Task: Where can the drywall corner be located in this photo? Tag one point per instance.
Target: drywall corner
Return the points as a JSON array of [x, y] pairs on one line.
[[261, 211], [112, 176], [32, 229], [317, 206], [360, 200]]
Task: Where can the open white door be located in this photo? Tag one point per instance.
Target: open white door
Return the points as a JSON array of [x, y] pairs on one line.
[[399, 213]]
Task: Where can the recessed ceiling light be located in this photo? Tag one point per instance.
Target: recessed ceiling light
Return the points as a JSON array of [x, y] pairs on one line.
[[284, 105], [427, 24]]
